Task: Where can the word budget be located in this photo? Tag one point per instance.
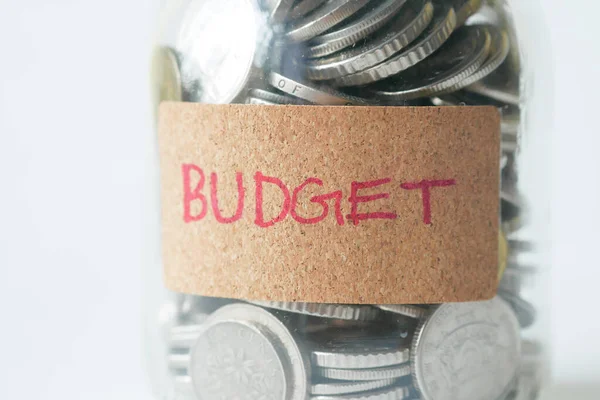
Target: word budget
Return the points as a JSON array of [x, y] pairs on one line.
[[198, 199]]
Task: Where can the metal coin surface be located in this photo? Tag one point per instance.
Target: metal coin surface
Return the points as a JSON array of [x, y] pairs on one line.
[[410, 23], [466, 351], [362, 24], [335, 388], [429, 41], [311, 92], [361, 354], [338, 311], [460, 56], [278, 9], [367, 374], [241, 342], [499, 49], [275, 97], [405, 309], [396, 393], [303, 7], [219, 41], [165, 75], [323, 18]]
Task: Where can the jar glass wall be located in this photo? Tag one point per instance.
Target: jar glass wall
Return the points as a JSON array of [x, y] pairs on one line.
[[391, 53]]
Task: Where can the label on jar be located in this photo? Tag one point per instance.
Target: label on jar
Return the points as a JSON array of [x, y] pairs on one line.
[[330, 204]]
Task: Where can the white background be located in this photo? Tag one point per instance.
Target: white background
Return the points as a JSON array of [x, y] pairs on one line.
[[74, 134]]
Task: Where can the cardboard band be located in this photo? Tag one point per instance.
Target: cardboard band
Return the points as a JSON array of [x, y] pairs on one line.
[[330, 204]]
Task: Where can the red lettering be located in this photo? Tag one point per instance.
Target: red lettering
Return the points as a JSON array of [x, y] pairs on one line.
[[425, 186], [321, 199], [354, 199], [190, 195], [215, 203], [259, 178]]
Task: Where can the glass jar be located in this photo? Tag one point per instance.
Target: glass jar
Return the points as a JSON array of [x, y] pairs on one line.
[[422, 55]]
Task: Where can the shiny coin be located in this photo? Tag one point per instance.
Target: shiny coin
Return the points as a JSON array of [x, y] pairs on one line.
[[311, 92], [165, 76], [466, 351], [360, 354], [396, 393], [260, 102], [275, 98], [303, 7], [501, 85], [219, 41], [464, 9], [526, 313], [338, 311], [278, 9], [499, 48], [409, 24], [405, 309], [331, 387], [460, 56], [323, 18], [370, 374], [239, 343], [363, 24]]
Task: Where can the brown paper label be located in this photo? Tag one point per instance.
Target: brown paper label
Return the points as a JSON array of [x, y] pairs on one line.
[[330, 204]]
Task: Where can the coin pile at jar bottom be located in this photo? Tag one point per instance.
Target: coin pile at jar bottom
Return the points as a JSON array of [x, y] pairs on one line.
[[357, 52], [220, 348]]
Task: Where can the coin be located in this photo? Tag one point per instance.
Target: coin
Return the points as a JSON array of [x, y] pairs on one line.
[[323, 18], [466, 351], [364, 23], [303, 7], [178, 361], [278, 9], [423, 31], [338, 311], [460, 56], [275, 98], [464, 9], [331, 387], [526, 313], [313, 93], [367, 374], [499, 49], [413, 19], [221, 42], [396, 393], [501, 85], [246, 351], [165, 76], [360, 354], [405, 309]]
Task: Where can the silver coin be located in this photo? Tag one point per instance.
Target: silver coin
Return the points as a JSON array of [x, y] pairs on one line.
[[246, 352], [278, 9], [405, 309], [368, 374], [361, 354], [303, 7], [460, 56], [501, 85], [464, 9], [410, 23], [466, 351], [499, 49], [526, 313], [338, 311], [260, 102], [429, 41], [221, 45], [323, 18], [313, 93], [395, 393], [275, 97], [363, 24], [336, 388], [178, 361]]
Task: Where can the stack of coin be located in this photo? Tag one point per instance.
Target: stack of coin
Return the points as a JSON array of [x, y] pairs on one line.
[[354, 52]]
